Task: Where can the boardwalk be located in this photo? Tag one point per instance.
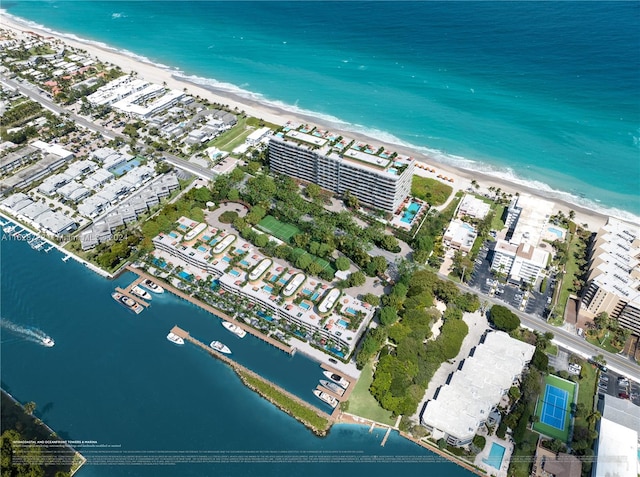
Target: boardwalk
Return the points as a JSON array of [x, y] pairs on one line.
[[239, 368], [267, 339]]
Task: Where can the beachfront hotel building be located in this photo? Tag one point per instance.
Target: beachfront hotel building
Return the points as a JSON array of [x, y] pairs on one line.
[[379, 178], [465, 403], [312, 309], [522, 255], [613, 284]]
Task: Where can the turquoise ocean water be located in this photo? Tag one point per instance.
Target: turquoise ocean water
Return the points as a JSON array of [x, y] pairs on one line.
[[113, 378], [545, 93]]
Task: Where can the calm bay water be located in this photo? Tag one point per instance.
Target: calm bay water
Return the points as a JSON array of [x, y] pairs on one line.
[[112, 377], [545, 93]]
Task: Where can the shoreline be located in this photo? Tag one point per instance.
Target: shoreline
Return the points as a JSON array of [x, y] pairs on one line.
[[278, 114]]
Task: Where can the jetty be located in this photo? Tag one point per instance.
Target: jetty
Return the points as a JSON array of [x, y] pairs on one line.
[[239, 369], [267, 339]]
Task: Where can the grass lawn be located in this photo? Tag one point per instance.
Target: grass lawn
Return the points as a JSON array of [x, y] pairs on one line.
[[605, 343], [551, 349], [232, 138], [570, 273], [362, 403], [497, 223], [522, 457], [586, 390], [430, 190], [259, 123], [278, 229]]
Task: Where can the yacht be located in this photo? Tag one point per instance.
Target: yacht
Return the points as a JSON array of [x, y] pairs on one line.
[[330, 400], [235, 329], [221, 348], [175, 338], [127, 302], [336, 378], [331, 386], [152, 286], [137, 291], [48, 342]]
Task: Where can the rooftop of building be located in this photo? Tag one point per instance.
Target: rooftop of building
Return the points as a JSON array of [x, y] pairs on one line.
[[617, 452]]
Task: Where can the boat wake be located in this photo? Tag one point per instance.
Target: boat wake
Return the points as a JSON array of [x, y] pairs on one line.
[[27, 333]]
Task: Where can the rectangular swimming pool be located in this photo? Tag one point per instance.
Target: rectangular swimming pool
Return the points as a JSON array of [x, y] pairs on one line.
[[267, 288], [235, 273], [305, 305], [185, 275], [343, 323], [315, 296], [496, 454], [351, 311]]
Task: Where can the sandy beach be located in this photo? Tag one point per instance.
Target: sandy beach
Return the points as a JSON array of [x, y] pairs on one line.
[[155, 74]]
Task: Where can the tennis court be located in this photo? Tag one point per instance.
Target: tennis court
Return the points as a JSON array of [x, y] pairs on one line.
[[278, 229], [554, 408]]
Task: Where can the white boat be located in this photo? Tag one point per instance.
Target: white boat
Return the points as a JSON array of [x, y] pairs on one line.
[[175, 338], [152, 286], [235, 329], [48, 342], [331, 386], [336, 378], [330, 400], [137, 291], [220, 347], [127, 302]]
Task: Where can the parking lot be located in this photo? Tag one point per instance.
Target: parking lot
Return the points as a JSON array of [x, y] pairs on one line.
[[531, 302], [619, 386]]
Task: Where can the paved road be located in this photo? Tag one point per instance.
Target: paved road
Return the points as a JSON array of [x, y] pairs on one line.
[[189, 166], [33, 92], [564, 338]]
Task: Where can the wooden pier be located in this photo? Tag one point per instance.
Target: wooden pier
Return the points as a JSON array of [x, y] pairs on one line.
[[267, 339], [386, 436]]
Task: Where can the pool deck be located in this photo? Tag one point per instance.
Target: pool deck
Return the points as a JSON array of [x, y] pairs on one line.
[[484, 455]]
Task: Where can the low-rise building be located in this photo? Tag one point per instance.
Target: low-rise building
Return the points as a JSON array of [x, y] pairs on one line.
[[551, 464], [616, 451], [471, 206], [521, 263], [460, 236], [475, 389]]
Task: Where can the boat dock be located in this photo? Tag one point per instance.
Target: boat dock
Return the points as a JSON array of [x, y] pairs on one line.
[[137, 299], [176, 330], [347, 392], [267, 339]]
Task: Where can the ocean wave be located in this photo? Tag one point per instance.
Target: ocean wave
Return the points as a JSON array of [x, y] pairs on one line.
[[470, 165]]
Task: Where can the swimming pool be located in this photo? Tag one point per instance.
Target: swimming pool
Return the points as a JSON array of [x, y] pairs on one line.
[[185, 275], [244, 262], [159, 263], [496, 455], [182, 227], [305, 305], [351, 311], [343, 323], [315, 296], [235, 273], [267, 288], [557, 232], [410, 213], [393, 170], [213, 241], [226, 259], [306, 291], [202, 248], [173, 235]]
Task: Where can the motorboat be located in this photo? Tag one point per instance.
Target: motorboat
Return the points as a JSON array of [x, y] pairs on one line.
[[336, 378], [174, 338], [152, 286], [127, 302], [331, 386], [327, 398], [235, 329], [48, 342], [137, 291], [220, 347]]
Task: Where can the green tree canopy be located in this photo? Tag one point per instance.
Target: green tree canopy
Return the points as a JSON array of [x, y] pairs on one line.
[[504, 319]]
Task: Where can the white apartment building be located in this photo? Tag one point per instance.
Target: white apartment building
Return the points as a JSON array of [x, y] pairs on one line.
[[379, 179], [473, 392]]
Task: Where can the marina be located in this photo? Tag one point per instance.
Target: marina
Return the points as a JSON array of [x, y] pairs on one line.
[[267, 339]]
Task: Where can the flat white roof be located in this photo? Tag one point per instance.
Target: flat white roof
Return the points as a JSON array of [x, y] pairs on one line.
[[260, 269], [617, 451], [293, 284], [329, 300]]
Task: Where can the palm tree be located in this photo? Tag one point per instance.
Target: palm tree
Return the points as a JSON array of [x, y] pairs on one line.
[[593, 418]]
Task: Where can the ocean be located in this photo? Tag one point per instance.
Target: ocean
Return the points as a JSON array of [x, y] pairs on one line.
[[541, 93], [114, 381]]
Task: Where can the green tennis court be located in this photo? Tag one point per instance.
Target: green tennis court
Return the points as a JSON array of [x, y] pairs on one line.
[[554, 408], [278, 229]]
